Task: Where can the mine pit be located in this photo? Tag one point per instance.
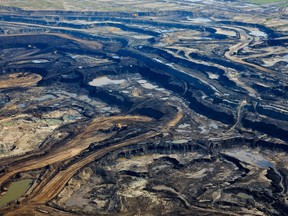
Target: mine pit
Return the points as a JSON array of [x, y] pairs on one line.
[[179, 108]]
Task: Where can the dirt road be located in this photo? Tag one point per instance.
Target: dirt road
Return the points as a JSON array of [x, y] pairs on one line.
[[53, 186]]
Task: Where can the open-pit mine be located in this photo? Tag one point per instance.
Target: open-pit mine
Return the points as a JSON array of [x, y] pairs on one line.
[[173, 107]]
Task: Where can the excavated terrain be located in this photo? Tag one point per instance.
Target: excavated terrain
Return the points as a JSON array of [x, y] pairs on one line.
[[176, 111]]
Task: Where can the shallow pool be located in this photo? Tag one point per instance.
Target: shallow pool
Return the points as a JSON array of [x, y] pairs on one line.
[[15, 191]]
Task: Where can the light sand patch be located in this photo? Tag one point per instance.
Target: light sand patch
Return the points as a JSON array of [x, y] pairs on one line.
[[19, 80], [102, 81]]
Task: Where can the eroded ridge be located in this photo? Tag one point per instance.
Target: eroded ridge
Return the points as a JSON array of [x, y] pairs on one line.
[[144, 111]]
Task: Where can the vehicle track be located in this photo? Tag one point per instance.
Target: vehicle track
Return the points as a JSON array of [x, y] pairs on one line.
[[72, 148], [58, 182]]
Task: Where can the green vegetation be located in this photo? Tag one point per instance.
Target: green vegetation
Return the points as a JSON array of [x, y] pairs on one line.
[[265, 1], [76, 5], [100, 5], [66, 5], [8, 124], [34, 4]]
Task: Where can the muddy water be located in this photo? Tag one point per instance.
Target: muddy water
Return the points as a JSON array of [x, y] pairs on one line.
[[250, 157], [15, 191]]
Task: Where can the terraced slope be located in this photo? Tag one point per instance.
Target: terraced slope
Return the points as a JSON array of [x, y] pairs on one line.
[[144, 112]]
